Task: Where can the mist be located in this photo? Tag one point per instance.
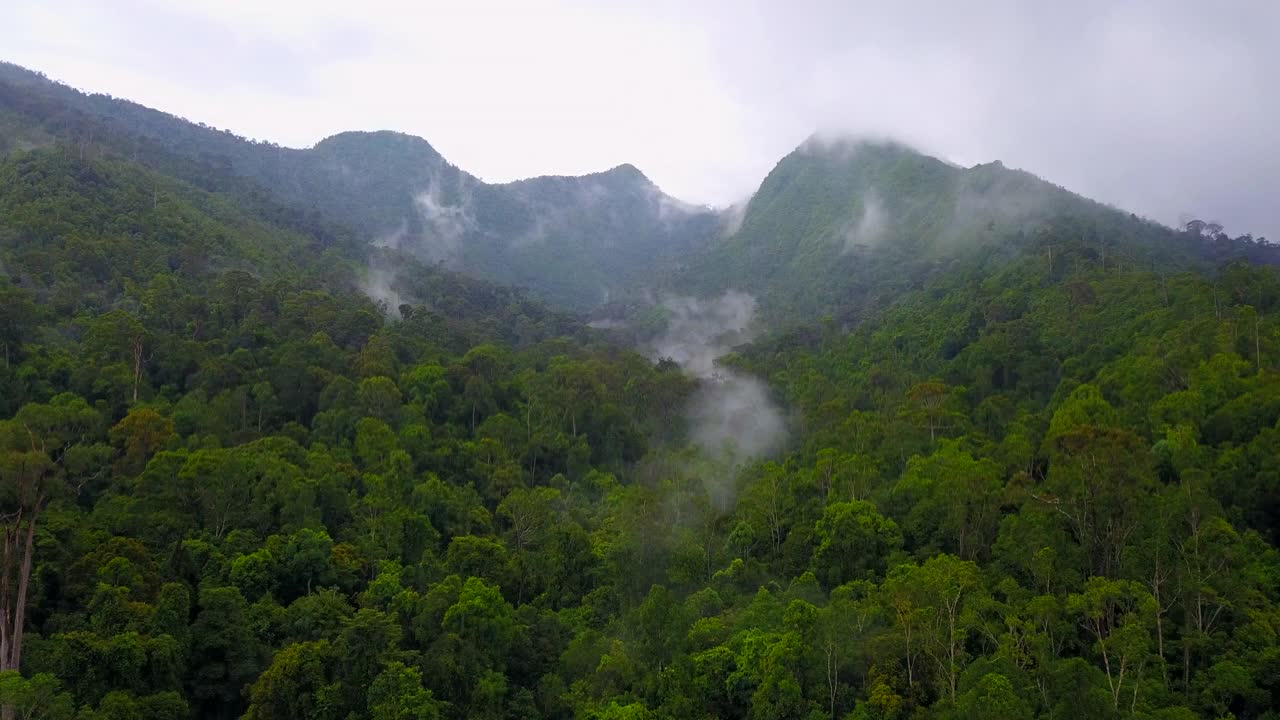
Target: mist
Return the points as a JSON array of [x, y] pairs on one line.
[[378, 283], [699, 332], [731, 417], [871, 225], [393, 239], [447, 224], [732, 217]]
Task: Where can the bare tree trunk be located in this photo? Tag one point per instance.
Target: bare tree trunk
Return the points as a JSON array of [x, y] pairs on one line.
[[1106, 664], [1137, 683], [20, 603], [953, 609], [1186, 658], [911, 675], [137, 369], [1257, 342], [6, 566], [832, 676], [1155, 587]]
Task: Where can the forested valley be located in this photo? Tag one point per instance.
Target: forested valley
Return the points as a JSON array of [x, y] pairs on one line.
[[253, 467]]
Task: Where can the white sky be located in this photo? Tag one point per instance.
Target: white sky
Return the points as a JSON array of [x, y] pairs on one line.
[[1163, 107]]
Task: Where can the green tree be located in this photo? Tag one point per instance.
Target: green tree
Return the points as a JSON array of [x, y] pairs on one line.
[[140, 435], [43, 458], [398, 694], [936, 608], [225, 653], [37, 698], [1117, 614], [18, 317], [993, 698], [119, 334], [931, 405], [854, 542], [951, 501], [291, 686]]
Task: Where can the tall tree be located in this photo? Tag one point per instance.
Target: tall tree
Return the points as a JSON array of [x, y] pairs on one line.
[[46, 453]]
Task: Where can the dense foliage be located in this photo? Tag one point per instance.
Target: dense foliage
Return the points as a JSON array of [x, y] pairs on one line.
[[166, 406], [1035, 476]]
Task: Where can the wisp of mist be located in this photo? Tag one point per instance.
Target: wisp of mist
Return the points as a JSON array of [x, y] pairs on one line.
[[731, 416]]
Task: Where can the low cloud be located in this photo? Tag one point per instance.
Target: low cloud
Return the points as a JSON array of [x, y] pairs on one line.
[[393, 239], [445, 226], [731, 416], [378, 283], [699, 332], [871, 225], [731, 218]]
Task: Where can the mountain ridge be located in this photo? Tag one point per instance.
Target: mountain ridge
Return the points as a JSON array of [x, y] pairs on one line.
[[812, 238], [397, 189]]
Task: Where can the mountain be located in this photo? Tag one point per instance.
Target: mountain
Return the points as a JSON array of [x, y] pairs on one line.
[[570, 240], [844, 225]]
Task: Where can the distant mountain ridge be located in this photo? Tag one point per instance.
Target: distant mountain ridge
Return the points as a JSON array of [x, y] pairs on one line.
[[570, 240]]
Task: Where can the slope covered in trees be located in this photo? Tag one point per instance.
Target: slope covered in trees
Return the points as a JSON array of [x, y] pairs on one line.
[[1032, 469], [135, 337]]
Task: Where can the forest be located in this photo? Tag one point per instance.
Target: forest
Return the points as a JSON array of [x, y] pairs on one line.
[[1037, 476]]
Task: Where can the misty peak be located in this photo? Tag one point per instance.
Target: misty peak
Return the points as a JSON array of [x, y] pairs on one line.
[[844, 145]]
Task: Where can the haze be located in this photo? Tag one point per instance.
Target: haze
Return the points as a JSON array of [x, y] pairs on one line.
[[1167, 109]]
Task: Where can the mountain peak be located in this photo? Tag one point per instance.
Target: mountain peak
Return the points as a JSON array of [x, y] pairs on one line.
[[378, 140], [624, 173], [844, 145], [626, 169]]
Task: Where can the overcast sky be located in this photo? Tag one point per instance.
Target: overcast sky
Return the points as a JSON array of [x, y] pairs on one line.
[[1164, 107]]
